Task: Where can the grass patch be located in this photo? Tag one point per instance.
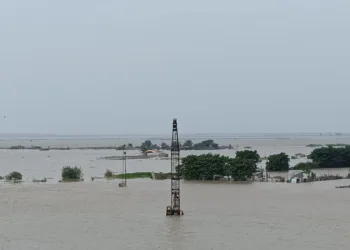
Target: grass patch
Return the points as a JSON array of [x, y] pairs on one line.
[[136, 175], [139, 175]]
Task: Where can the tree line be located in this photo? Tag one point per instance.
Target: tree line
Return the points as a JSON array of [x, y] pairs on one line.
[[187, 145], [244, 164], [211, 166]]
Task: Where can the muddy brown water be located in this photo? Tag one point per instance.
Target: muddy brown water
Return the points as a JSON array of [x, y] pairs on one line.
[[99, 215]]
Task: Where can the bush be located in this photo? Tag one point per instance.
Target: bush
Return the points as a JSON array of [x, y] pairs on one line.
[[16, 176], [71, 173], [108, 174]]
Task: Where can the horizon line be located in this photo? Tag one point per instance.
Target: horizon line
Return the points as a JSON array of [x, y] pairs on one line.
[[188, 134]]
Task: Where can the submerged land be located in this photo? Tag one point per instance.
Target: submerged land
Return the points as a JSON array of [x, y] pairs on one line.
[[44, 162]]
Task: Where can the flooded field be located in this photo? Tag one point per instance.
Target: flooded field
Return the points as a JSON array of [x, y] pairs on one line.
[[99, 215]]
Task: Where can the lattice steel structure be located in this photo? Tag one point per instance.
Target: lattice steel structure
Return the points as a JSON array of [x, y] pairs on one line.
[[174, 208], [123, 183]]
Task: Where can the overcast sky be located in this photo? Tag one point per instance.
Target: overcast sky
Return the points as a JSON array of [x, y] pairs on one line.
[[227, 66]]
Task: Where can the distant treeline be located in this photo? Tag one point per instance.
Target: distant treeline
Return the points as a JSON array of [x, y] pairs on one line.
[[332, 145], [187, 145], [146, 145]]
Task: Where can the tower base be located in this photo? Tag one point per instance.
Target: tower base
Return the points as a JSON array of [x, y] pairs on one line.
[[171, 211]]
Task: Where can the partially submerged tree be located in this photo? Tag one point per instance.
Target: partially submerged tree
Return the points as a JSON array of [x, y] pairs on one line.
[[122, 147], [188, 144], [14, 176], [305, 165], [278, 162], [203, 167], [164, 146], [71, 173], [147, 145], [331, 157], [108, 174], [249, 155], [206, 145], [209, 166]]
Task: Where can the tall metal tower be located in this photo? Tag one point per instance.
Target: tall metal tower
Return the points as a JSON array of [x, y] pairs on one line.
[[123, 183], [174, 208]]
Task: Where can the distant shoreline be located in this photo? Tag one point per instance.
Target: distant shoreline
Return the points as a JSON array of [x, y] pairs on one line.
[[119, 148], [165, 136]]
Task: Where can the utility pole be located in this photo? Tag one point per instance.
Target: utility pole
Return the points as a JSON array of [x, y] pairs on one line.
[[174, 208]]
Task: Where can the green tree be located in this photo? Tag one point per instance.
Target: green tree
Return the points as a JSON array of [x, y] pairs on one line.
[[203, 167], [305, 165], [209, 166], [331, 157], [249, 155], [240, 169], [146, 145], [278, 162], [122, 147], [164, 146], [16, 176], [206, 145], [188, 144], [71, 173], [108, 174]]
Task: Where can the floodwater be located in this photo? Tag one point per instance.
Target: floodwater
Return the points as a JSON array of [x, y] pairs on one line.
[[99, 215]]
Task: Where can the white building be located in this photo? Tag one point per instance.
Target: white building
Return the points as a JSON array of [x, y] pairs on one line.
[[297, 177]]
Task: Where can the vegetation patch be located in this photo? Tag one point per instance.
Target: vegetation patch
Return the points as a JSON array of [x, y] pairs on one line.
[[136, 175], [211, 167], [331, 157], [278, 162], [161, 176], [314, 145], [305, 166], [72, 174], [14, 176], [108, 174]]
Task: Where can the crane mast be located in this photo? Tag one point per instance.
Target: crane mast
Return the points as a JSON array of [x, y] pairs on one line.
[[174, 208]]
